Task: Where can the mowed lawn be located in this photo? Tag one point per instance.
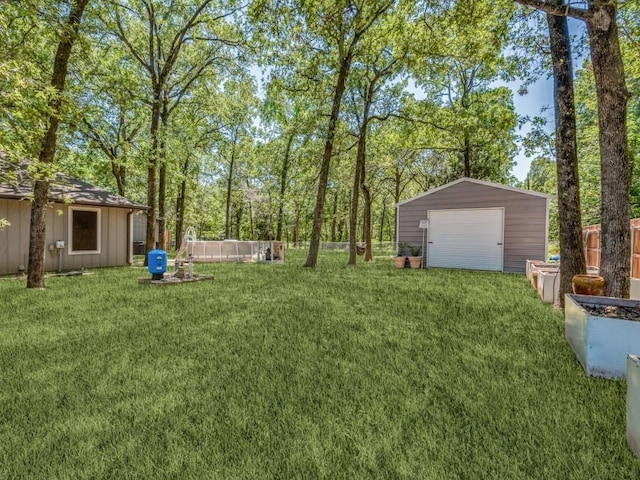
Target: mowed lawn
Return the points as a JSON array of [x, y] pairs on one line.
[[279, 371]]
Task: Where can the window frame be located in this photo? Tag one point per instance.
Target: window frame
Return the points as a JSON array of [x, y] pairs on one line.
[[98, 212]]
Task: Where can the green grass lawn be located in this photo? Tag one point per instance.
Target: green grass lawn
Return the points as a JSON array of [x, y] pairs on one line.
[[278, 371]]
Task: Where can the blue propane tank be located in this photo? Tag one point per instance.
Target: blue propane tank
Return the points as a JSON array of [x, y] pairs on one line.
[[157, 261]]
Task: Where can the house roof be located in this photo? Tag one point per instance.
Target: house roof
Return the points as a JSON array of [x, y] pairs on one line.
[[65, 189], [479, 182]]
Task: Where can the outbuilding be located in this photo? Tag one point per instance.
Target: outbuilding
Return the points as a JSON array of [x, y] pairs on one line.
[[86, 226], [476, 225]]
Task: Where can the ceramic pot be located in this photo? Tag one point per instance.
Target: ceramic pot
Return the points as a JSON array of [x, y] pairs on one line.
[[399, 261], [588, 285]]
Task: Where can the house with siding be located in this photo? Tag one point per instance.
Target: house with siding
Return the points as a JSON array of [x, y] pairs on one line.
[[476, 225], [86, 226]]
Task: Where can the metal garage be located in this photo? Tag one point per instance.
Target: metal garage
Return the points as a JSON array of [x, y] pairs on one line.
[[477, 225]]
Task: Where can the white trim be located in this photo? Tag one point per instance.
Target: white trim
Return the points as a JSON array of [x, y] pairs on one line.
[[479, 182], [99, 231]]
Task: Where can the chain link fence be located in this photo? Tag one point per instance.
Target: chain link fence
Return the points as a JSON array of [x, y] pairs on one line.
[[379, 248]]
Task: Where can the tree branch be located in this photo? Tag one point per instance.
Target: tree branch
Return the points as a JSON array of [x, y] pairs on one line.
[[557, 10]]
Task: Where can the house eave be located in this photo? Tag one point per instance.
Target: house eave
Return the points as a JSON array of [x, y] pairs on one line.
[[70, 201]]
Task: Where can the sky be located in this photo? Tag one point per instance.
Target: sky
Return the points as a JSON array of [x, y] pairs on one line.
[[539, 96]]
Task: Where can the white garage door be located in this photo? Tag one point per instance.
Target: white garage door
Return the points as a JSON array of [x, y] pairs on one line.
[[470, 238]]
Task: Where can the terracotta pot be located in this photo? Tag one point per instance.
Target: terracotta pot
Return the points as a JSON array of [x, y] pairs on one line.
[[399, 261], [415, 262], [588, 285]]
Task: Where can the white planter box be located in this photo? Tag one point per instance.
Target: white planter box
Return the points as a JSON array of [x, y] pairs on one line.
[[549, 285], [601, 344], [538, 264], [633, 403]]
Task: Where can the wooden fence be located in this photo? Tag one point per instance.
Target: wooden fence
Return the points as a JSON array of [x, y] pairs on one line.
[[591, 240]]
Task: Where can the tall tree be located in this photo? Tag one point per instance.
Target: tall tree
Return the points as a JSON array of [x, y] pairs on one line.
[[236, 130], [568, 187], [346, 27], [615, 169], [372, 73], [326, 35], [292, 117], [35, 274], [173, 55], [194, 135]]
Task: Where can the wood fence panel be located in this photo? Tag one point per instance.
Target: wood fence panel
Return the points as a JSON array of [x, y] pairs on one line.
[[591, 238]]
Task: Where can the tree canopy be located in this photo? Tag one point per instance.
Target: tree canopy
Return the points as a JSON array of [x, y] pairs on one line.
[[302, 121]]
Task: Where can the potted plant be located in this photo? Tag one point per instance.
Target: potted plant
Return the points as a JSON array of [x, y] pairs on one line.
[[415, 260], [401, 258]]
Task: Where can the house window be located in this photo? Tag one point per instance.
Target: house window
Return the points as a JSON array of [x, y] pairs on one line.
[[84, 230]]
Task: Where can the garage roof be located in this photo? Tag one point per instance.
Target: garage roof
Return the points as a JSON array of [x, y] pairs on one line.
[[479, 182]]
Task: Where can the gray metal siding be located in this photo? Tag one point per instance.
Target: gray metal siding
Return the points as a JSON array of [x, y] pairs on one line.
[[525, 218], [14, 240]]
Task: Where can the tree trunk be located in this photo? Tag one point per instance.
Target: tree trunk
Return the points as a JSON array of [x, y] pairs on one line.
[[37, 231], [316, 232], [397, 177], [334, 218], [615, 170], [569, 216], [251, 232], [35, 272], [366, 223], [227, 218], [152, 172], [342, 227], [283, 186], [467, 155], [162, 206], [382, 217], [180, 205], [179, 220], [238, 214], [355, 195], [120, 174], [359, 178], [162, 181]]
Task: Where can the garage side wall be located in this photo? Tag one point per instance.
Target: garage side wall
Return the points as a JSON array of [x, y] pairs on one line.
[[525, 218]]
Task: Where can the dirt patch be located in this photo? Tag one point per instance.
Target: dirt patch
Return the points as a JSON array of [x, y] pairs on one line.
[[613, 311], [173, 280]]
